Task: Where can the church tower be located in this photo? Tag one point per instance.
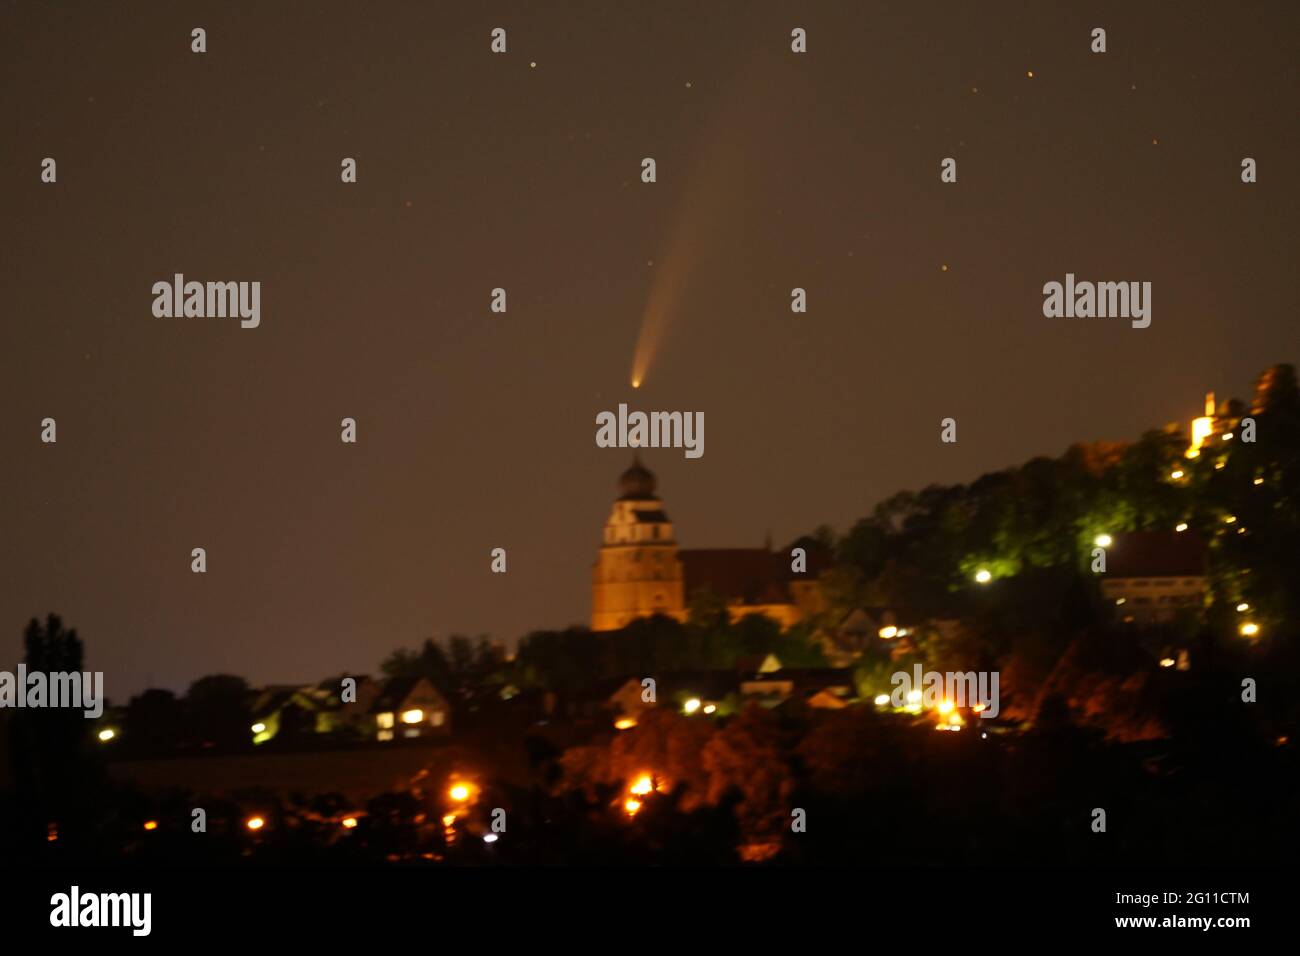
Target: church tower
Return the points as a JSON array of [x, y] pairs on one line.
[[637, 572]]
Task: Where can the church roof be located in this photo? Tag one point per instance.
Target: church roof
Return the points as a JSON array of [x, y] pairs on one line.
[[750, 575]]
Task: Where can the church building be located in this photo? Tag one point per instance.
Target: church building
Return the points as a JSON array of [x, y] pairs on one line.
[[640, 571]]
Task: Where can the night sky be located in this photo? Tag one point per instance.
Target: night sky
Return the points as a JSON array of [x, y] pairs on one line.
[[476, 430]]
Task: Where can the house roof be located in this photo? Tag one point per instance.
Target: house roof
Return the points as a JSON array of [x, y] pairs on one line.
[[808, 678], [332, 684], [1155, 554], [397, 690], [710, 685]]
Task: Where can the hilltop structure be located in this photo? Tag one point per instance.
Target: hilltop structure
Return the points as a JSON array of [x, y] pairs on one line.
[[640, 571]]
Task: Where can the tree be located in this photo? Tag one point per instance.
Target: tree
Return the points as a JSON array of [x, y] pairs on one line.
[[154, 721], [217, 711], [55, 770]]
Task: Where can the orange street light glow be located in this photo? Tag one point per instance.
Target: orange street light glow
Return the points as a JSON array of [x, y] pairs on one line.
[[254, 823], [642, 785], [624, 723], [151, 824], [459, 792], [632, 806], [349, 822]]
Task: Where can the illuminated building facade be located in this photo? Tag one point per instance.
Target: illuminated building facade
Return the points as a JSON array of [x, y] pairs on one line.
[[640, 571]]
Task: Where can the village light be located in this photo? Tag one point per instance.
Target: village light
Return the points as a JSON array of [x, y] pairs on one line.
[[1181, 526], [151, 824], [489, 838], [710, 708], [945, 707], [632, 806], [1259, 481], [106, 735], [412, 716], [1249, 629], [982, 576], [888, 631], [913, 696], [449, 819], [1230, 519], [254, 823], [642, 785], [1103, 541], [692, 705], [459, 792], [1166, 662], [258, 727], [349, 823], [882, 700], [1176, 474], [1243, 606], [624, 723]]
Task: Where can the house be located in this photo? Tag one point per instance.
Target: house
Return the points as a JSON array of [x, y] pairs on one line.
[[286, 711], [409, 707], [863, 626], [352, 717], [692, 691], [828, 687], [1152, 576]]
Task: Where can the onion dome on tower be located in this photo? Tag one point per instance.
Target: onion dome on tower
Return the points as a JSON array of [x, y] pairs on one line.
[[637, 482]]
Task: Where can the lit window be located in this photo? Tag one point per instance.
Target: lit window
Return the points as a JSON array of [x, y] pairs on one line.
[[384, 720]]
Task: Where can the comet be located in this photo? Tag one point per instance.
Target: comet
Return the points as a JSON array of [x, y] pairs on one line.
[[712, 201]]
